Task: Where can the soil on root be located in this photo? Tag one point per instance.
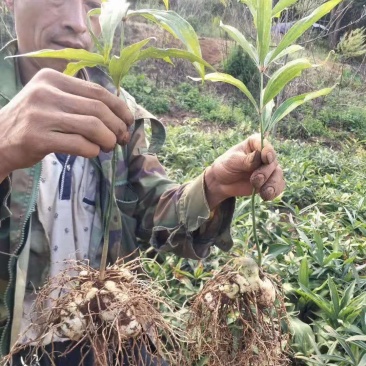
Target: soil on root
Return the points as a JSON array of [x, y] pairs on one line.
[[118, 318], [237, 330]]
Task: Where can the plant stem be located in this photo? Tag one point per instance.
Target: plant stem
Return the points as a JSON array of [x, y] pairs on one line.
[[103, 262], [254, 223]]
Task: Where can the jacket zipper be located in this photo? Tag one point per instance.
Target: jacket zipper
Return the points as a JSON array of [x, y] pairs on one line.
[[33, 201]]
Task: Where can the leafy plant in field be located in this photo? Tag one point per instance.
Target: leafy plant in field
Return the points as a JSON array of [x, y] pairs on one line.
[[352, 44], [264, 58], [113, 308]]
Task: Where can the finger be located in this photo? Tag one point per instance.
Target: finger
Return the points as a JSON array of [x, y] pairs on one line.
[[83, 106], [267, 153], [274, 186], [73, 145], [89, 127], [90, 90], [239, 162], [262, 174]]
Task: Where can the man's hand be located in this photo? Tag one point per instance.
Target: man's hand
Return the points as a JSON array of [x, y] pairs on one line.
[[242, 168], [61, 114]]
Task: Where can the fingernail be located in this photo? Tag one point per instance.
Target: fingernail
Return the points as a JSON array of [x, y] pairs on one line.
[[259, 179], [270, 157], [251, 157], [268, 193]]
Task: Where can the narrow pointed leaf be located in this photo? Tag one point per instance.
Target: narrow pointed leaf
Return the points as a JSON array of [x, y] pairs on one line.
[[92, 13], [287, 51], [264, 22], [282, 5], [292, 103], [334, 296], [178, 27], [167, 53], [283, 76], [67, 54], [226, 78], [317, 299], [267, 114], [74, 67], [302, 334], [120, 66], [238, 37], [252, 5], [166, 3], [304, 272], [301, 26], [111, 15], [348, 295]]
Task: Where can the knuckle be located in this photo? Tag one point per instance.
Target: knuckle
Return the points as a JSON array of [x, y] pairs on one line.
[[97, 91], [97, 107], [45, 74]]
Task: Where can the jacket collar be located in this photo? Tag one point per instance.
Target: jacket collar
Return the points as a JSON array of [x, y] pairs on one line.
[[10, 84]]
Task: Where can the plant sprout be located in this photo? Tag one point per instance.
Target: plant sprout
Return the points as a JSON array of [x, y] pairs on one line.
[[113, 309], [264, 58]]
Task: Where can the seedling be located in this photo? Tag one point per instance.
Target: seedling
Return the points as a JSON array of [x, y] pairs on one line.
[[113, 309], [226, 311]]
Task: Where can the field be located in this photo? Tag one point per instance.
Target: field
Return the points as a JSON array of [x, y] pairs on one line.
[[313, 237]]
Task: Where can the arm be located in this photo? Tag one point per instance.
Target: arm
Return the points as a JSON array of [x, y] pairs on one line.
[[179, 218]]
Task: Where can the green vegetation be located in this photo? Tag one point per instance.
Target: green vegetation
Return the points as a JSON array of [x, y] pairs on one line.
[[314, 236]]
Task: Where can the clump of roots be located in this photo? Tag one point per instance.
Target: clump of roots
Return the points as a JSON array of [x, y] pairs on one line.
[[117, 317], [236, 319]]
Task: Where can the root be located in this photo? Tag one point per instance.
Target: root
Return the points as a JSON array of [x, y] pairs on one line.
[[235, 320], [117, 318]]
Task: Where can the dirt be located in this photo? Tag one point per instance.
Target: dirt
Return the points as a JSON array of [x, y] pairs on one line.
[[214, 50]]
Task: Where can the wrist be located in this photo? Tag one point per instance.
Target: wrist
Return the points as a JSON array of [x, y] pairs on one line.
[[213, 189]]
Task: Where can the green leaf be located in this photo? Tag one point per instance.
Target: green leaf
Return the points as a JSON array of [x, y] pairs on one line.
[[282, 5], [302, 334], [304, 272], [166, 3], [283, 76], [318, 300], [287, 51], [334, 296], [166, 53], [92, 13], [357, 338], [301, 26], [111, 15], [264, 22], [178, 27], [238, 37], [120, 66], [292, 103], [67, 54], [74, 67], [226, 78], [252, 5], [348, 295]]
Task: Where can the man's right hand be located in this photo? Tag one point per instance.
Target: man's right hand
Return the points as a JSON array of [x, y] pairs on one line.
[[61, 114]]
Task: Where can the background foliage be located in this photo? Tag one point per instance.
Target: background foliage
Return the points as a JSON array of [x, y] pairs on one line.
[[315, 234]]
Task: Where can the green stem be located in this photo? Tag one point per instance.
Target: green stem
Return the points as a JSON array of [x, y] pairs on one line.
[[103, 262], [254, 223]]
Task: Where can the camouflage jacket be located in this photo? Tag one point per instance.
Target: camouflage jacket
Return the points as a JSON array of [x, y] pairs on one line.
[[148, 206]]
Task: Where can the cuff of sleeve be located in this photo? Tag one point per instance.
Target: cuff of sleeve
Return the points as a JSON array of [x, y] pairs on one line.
[[193, 207], [5, 189], [199, 227]]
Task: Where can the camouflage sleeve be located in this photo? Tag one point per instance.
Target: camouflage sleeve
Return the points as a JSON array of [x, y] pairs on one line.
[[173, 217], [4, 195]]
